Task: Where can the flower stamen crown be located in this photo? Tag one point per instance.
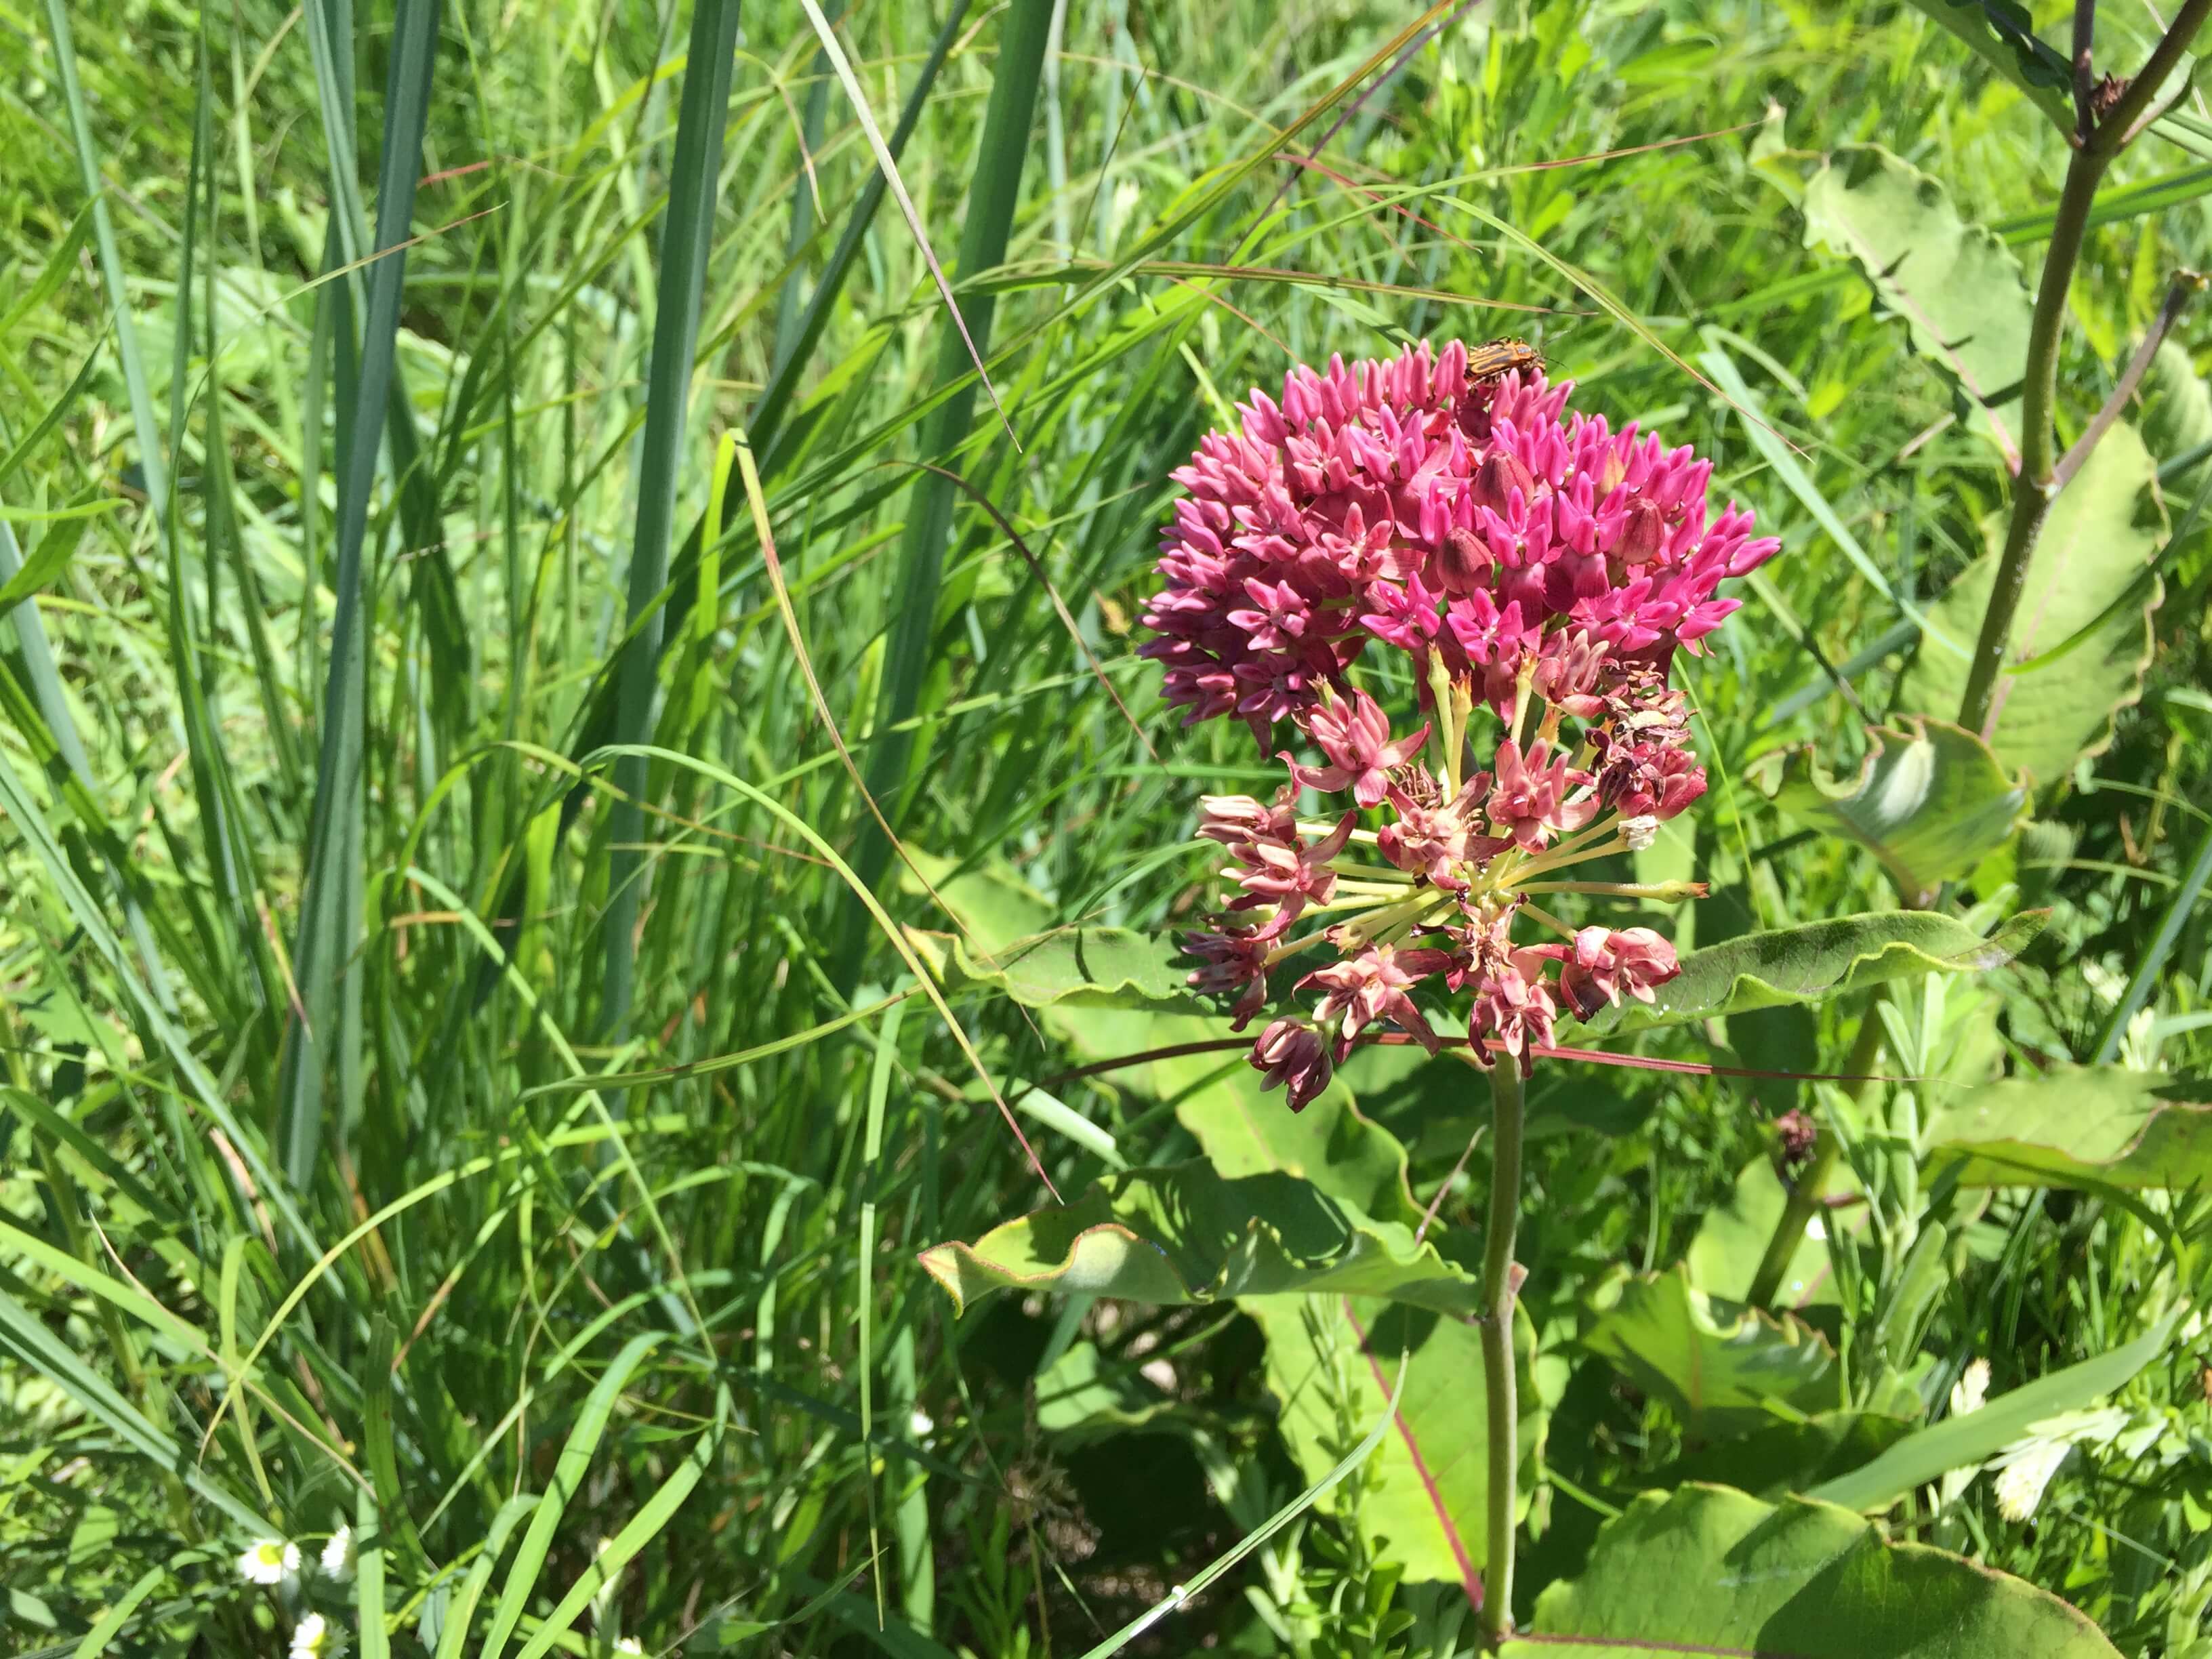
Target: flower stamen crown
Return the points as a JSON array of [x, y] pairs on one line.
[[1469, 544]]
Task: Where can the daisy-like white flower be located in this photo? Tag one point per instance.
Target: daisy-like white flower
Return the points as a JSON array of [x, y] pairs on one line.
[[1971, 1389], [270, 1561], [337, 1554], [315, 1638], [2022, 1482]]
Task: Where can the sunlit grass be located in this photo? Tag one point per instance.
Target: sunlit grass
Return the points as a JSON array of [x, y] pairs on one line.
[[450, 1087]]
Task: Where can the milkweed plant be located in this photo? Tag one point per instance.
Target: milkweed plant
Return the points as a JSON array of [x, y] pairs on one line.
[[1449, 604]]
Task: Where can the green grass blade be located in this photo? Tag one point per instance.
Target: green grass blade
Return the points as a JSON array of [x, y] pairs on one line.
[[992, 195], [568, 1471], [151, 457], [463, 1609], [329, 910], [641, 1529], [836, 53], [25, 1338], [695, 189], [97, 1638], [369, 1578], [2145, 980], [791, 358]]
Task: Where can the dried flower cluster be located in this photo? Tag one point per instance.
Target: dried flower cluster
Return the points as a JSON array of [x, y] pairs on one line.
[[1467, 543]]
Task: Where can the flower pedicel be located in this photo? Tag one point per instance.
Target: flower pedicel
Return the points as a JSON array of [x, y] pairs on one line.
[[1465, 542]]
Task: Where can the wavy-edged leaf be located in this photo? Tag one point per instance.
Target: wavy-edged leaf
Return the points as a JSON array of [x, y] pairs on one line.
[[1929, 800], [1184, 1233], [1709, 1569], [1971, 1437], [1716, 1363], [2077, 1126], [1244, 1131], [1334, 1361], [2177, 417], [1069, 967], [1818, 959], [1079, 1399], [1959, 288], [2093, 545], [2002, 35], [989, 899]]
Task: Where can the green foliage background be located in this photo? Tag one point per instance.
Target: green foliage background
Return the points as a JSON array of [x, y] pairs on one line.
[[433, 1263]]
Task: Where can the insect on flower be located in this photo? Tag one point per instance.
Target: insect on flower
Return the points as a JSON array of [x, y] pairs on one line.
[[1466, 601]]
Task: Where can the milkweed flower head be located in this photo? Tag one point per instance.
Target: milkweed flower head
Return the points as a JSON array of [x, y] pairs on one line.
[[1452, 604]]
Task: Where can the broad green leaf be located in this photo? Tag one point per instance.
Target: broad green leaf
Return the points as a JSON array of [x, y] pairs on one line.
[[1930, 801], [2075, 1126], [47, 560], [1709, 1569], [1244, 1131], [1779, 1459], [1185, 1233], [1331, 1363], [1971, 1438], [2177, 417], [1816, 960], [1718, 1364], [2093, 546], [2001, 33], [1731, 1239], [993, 904], [1078, 1399], [1958, 288], [1074, 967]]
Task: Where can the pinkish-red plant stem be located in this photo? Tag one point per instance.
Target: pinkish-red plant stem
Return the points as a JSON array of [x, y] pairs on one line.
[[1500, 1285]]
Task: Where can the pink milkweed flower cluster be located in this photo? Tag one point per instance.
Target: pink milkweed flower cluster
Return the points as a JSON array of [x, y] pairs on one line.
[[1469, 543]]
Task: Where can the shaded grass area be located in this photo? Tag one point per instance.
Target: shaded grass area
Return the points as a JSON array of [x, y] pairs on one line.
[[407, 749]]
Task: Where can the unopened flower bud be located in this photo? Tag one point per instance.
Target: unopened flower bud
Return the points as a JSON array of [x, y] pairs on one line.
[[1501, 474], [1462, 563], [1645, 533], [1290, 1052]]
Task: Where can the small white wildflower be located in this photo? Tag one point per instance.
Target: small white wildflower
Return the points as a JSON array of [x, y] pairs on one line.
[[315, 1638], [1641, 834], [2107, 983], [1971, 1389], [920, 1425], [2021, 1481], [2139, 1044], [630, 1644], [337, 1554], [269, 1561]]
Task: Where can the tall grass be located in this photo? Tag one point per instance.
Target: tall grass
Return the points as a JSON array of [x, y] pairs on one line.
[[451, 1088]]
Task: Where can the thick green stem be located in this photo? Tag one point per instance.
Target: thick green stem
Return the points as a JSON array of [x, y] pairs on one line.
[[1813, 1181], [1499, 1286], [2038, 485]]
